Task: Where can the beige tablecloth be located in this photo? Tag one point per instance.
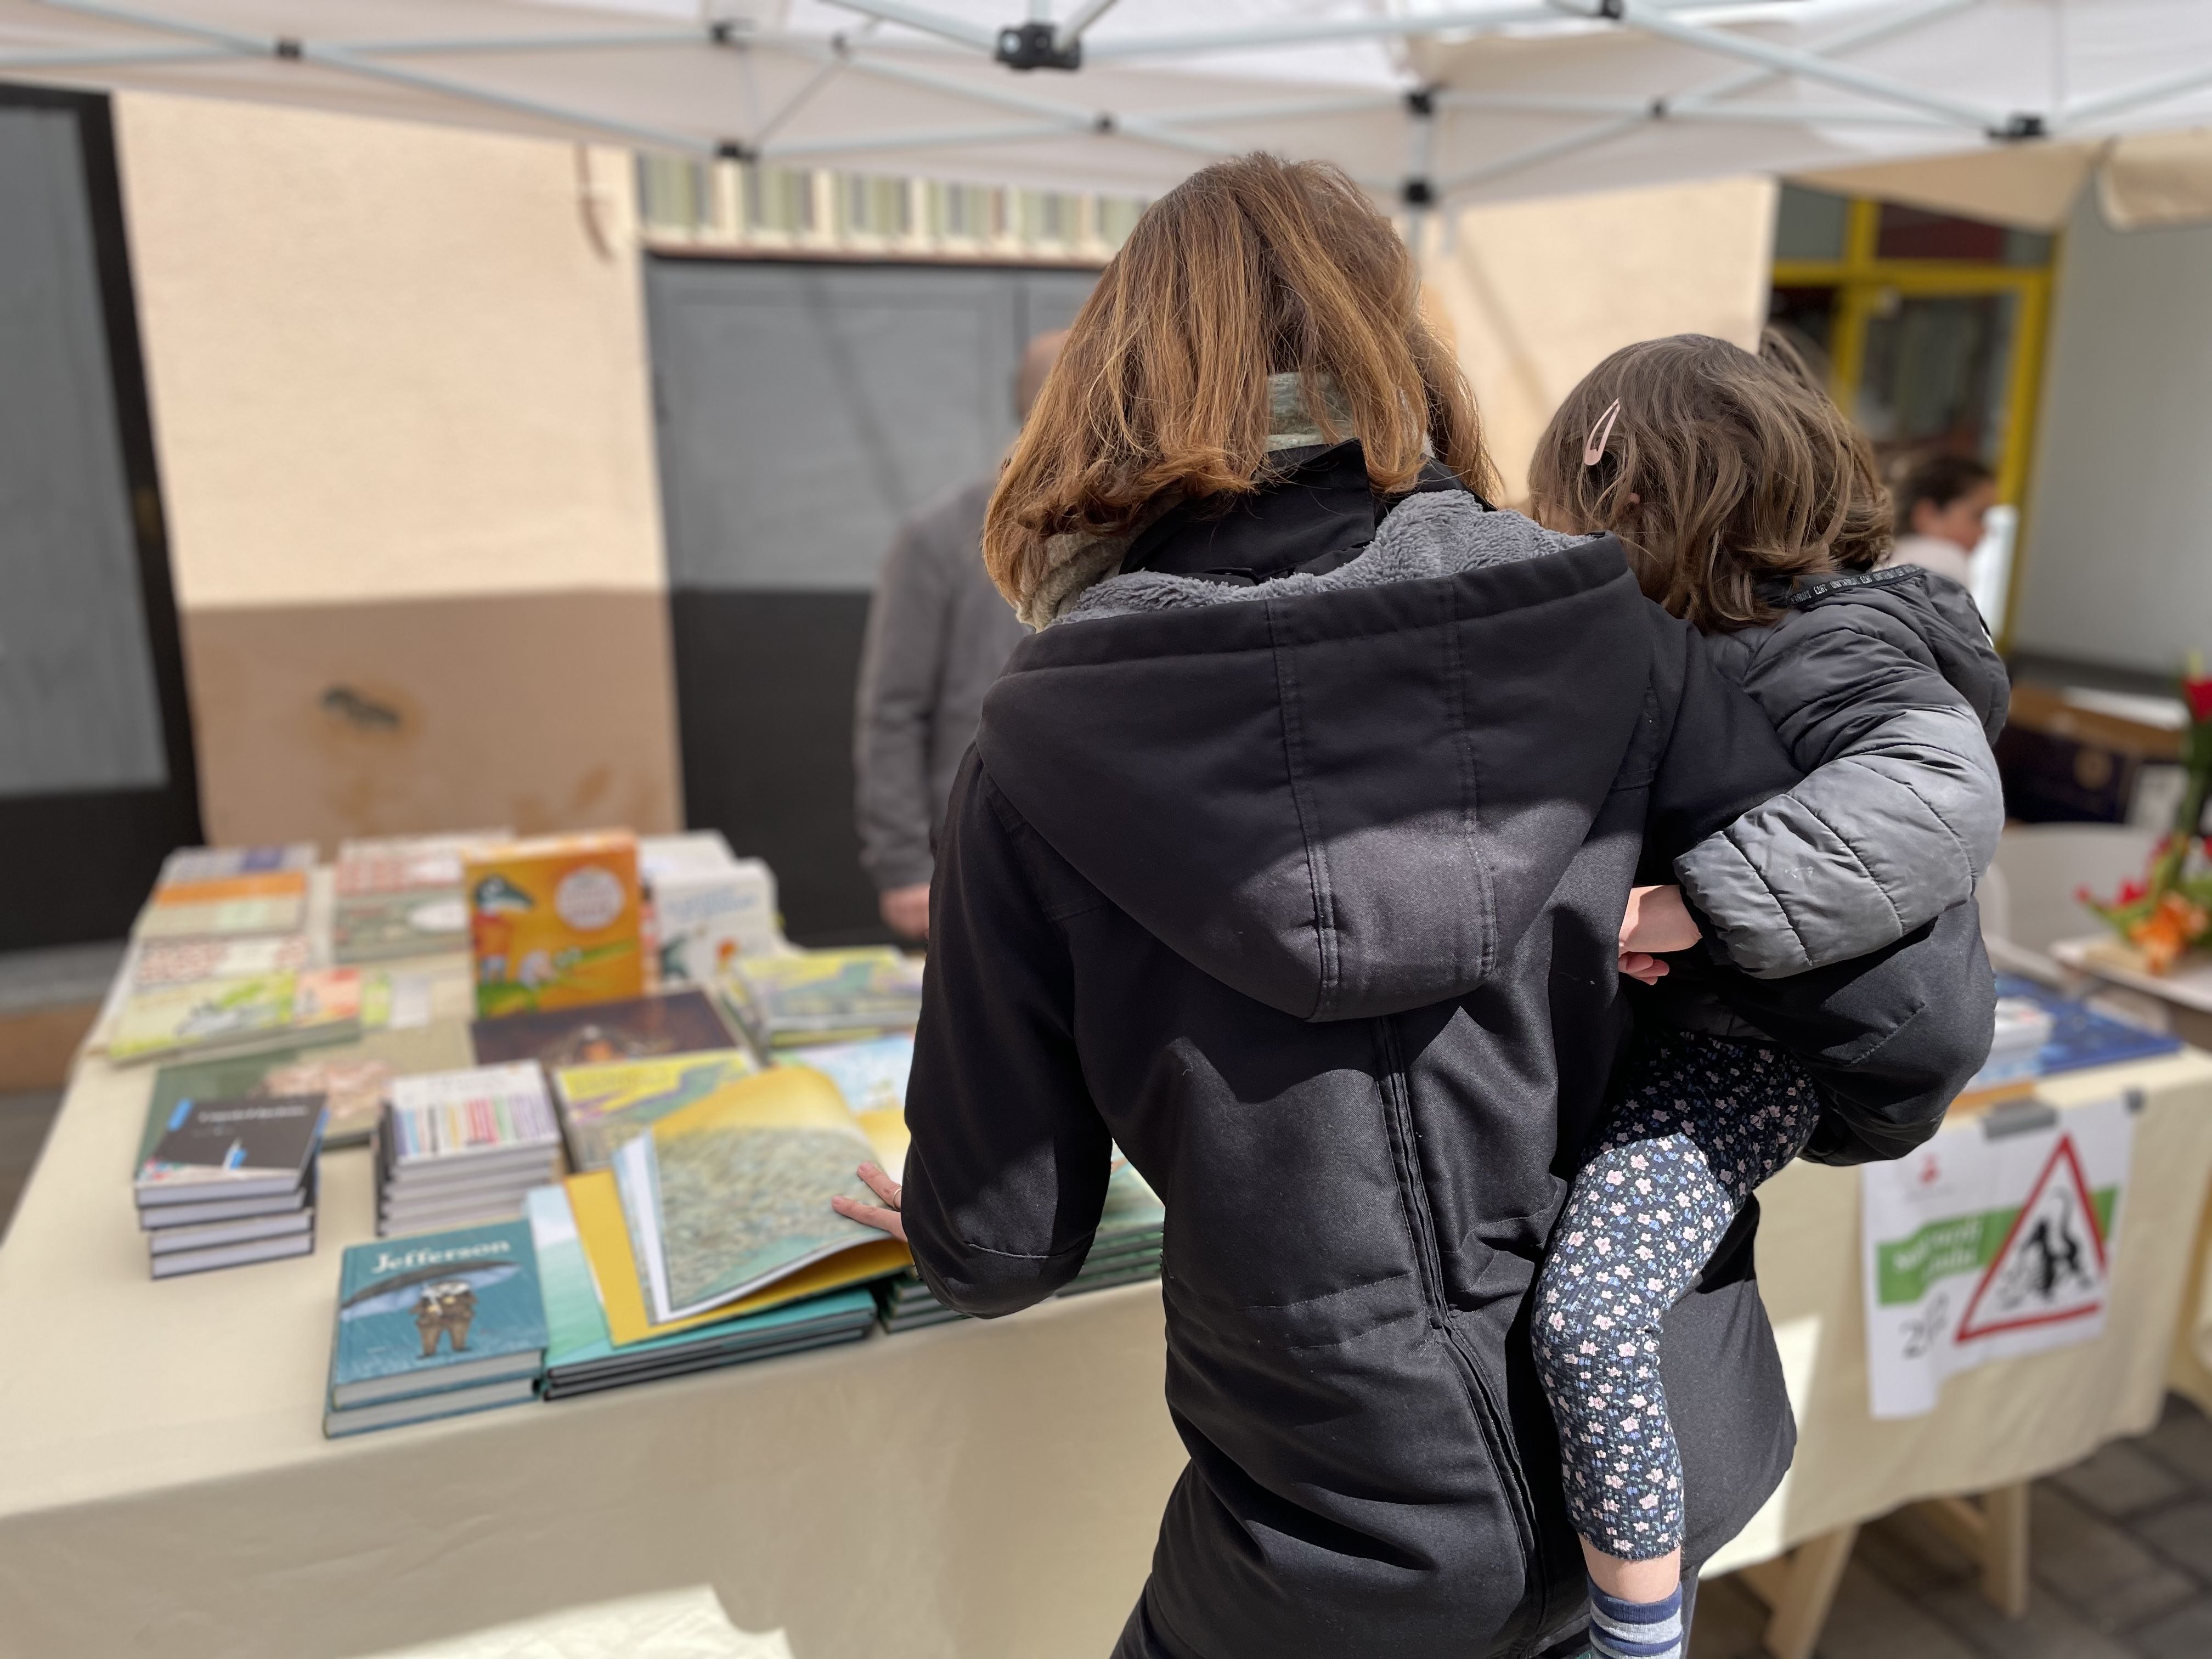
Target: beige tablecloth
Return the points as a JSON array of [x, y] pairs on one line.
[[983, 1491]]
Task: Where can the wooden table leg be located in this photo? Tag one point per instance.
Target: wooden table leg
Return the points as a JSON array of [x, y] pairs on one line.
[[1799, 1589], [1993, 1530]]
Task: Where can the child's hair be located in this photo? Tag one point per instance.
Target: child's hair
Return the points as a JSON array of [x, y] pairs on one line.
[[1718, 470]]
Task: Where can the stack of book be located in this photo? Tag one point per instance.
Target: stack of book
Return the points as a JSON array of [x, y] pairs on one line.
[[229, 893], [709, 905], [225, 1181], [582, 1356], [825, 996], [401, 896], [1126, 1248], [434, 1326], [603, 1105], [461, 1147]]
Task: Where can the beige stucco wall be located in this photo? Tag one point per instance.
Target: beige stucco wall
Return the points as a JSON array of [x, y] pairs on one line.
[[1537, 293], [398, 380]]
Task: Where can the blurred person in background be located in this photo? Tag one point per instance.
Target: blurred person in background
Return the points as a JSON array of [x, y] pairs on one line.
[[938, 633], [1941, 504]]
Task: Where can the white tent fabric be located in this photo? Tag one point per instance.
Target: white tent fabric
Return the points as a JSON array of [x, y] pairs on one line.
[[1427, 101]]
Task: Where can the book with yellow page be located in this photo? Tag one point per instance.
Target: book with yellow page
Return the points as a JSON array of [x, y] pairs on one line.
[[731, 1195]]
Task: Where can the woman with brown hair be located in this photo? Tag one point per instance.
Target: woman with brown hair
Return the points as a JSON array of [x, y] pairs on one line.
[[1292, 858]]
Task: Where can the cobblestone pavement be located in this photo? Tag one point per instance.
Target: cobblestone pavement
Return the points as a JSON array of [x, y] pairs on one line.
[[2122, 1553]]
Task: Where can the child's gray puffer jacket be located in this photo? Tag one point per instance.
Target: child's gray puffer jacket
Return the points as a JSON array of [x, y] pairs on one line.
[[1887, 692]]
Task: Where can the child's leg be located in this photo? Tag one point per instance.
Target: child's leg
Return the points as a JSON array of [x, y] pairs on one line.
[[1708, 1121]]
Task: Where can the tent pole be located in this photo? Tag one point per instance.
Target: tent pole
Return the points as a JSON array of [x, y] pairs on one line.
[[1072, 31], [925, 22], [2127, 98], [1472, 20]]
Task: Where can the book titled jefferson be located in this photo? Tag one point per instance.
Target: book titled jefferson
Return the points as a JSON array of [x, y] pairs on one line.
[[435, 1325]]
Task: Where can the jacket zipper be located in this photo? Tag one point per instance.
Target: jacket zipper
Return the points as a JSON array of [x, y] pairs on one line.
[[1398, 1101]]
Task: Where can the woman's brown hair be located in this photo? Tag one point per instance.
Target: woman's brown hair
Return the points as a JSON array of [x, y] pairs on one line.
[[1720, 473], [1250, 268]]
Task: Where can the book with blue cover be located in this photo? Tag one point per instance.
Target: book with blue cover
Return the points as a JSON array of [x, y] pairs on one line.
[[2080, 1036], [451, 1321], [581, 1356]]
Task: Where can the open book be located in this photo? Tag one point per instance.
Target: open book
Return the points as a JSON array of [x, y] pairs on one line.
[[731, 1194]]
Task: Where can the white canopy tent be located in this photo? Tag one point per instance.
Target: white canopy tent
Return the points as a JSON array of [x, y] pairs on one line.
[[1428, 102]]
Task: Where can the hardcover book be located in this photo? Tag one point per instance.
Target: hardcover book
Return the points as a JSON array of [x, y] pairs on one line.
[[183, 961], [823, 996], [637, 1028], [554, 922], [273, 901], [436, 1311], [191, 865], [705, 919], [352, 1086], [602, 1106], [231, 1149]]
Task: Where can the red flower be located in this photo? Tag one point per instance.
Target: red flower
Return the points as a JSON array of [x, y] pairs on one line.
[[2199, 693], [2132, 892]]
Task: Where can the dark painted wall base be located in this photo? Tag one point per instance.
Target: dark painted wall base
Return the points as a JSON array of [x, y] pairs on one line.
[[764, 684]]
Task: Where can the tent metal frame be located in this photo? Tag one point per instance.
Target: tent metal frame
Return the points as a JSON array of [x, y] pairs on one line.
[[1888, 101]]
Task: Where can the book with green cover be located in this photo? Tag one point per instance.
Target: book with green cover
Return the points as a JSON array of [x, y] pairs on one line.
[[582, 1356], [435, 1312], [823, 996], [233, 1016], [602, 1106]]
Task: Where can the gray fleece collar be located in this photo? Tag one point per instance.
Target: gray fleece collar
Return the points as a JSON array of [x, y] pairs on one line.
[[1435, 534]]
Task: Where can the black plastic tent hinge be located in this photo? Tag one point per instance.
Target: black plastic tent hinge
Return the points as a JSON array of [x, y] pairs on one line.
[[1421, 101], [287, 48], [1419, 193], [1034, 46], [2022, 126], [1614, 10], [733, 150]]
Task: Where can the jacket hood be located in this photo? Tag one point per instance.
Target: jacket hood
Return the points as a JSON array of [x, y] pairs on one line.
[[1342, 794]]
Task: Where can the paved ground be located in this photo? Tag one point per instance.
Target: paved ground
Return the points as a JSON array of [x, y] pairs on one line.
[[2123, 1565], [2123, 1545]]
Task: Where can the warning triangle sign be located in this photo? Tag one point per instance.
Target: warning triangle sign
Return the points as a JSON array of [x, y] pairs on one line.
[[2052, 1266]]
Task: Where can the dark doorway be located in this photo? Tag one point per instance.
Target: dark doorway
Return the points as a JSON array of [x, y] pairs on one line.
[[96, 778], [803, 409]]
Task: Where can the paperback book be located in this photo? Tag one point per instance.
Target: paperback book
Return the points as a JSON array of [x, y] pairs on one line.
[[733, 1193], [602, 1106], [185, 962], [635, 1028], [402, 896], [189, 866], [825, 996], [434, 1325], [582, 1356], [273, 901], [710, 907], [236, 1016]]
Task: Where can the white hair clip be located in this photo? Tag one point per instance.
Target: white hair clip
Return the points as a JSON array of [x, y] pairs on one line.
[[1594, 449]]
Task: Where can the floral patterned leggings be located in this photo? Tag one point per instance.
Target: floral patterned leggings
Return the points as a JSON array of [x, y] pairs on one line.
[[1707, 1121]]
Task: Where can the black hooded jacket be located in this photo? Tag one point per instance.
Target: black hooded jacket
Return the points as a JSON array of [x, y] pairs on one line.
[[1308, 898]]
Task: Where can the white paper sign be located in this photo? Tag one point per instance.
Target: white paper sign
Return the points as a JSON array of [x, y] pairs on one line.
[[1989, 1241]]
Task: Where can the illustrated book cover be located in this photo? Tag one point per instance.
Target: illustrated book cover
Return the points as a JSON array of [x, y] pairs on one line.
[[821, 996], [436, 1311], [260, 1011], [231, 1149], [554, 922], [636, 1028], [602, 1106]]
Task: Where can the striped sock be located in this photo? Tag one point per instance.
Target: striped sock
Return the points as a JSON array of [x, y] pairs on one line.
[[1636, 1629]]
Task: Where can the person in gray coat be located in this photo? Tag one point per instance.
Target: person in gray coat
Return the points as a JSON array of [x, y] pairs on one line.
[[938, 633], [1751, 509]]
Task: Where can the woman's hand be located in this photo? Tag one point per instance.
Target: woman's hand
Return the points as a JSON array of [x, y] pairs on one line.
[[884, 1216], [1656, 921]]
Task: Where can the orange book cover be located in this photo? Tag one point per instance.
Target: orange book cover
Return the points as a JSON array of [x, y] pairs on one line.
[[553, 921]]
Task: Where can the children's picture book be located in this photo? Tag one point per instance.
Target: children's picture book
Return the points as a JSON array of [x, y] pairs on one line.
[[705, 919], [402, 896], [464, 1119], [273, 901], [595, 1201], [185, 962], [2080, 1037], [191, 865], [871, 1074], [436, 1311], [823, 996], [234, 1016], [554, 922], [732, 1193], [637, 1028], [580, 1354], [602, 1106], [249, 1148]]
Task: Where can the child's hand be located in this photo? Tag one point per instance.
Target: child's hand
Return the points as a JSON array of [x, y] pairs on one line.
[[1656, 921]]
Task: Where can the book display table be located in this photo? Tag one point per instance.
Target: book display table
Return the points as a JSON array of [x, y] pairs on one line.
[[960, 1493]]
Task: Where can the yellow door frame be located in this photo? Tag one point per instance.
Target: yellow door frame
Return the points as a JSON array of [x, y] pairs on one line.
[[1862, 280]]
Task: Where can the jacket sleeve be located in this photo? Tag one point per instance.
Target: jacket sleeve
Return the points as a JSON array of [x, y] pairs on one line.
[[1005, 1177], [1894, 823], [902, 663], [1718, 755]]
